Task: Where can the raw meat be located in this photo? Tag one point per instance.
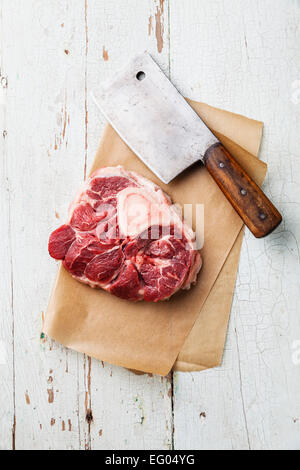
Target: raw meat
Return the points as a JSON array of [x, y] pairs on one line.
[[125, 236]]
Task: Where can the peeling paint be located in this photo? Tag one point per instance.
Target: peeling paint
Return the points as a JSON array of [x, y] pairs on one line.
[[101, 432], [4, 82], [159, 26], [63, 119], [63, 426], [105, 54], [88, 402], [140, 402], [43, 321], [27, 398], [169, 377], [150, 25], [50, 395], [14, 433], [89, 416], [52, 422]]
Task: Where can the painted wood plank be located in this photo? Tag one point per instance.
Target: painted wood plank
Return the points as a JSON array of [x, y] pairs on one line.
[[243, 56], [63, 398], [248, 62], [125, 411], [44, 61], [129, 411], [6, 312], [116, 31]]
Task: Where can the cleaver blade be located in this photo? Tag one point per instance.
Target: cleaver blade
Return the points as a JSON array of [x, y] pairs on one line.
[[157, 123], [154, 119]]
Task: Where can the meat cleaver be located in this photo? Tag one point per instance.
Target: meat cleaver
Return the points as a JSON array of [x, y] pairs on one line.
[[157, 123]]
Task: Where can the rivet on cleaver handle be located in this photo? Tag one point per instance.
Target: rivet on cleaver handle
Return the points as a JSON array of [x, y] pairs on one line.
[[157, 123], [253, 206]]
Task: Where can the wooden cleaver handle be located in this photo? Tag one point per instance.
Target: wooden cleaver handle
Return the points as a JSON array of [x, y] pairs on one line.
[[253, 206]]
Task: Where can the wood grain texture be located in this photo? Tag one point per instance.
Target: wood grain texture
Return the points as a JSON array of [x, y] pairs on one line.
[[138, 411], [52, 60], [249, 201], [7, 402], [45, 143], [53, 54], [247, 63]]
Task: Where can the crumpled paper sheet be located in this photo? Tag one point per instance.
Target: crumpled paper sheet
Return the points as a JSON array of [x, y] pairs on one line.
[[191, 326]]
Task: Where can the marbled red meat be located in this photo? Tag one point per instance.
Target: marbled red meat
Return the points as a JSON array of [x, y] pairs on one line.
[[125, 236]]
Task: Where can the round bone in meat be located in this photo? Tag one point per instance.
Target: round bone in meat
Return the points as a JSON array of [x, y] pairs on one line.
[[124, 235]]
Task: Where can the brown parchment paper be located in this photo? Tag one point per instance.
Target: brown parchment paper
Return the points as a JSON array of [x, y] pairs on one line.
[[145, 336], [204, 345]]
